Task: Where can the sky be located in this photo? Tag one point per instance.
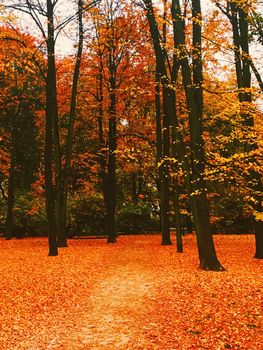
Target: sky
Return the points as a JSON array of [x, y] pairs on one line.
[[66, 39], [66, 8]]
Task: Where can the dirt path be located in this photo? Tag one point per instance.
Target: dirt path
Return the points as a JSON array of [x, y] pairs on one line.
[[117, 304]]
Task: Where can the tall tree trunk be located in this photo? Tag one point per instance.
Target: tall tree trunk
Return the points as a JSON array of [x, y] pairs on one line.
[[176, 194], [10, 197], [51, 110], [242, 64], [164, 177], [72, 116], [178, 225], [159, 138], [162, 151], [164, 168], [111, 174], [102, 145], [61, 239]]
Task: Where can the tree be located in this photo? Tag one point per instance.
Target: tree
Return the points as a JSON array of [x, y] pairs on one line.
[[55, 197], [116, 39], [195, 185], [238, 14], [20, 99]]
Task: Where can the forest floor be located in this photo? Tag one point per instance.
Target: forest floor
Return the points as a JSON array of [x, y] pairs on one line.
[[135, 294]]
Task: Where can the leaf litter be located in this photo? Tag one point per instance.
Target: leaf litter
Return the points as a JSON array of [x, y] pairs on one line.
[[136, 295]]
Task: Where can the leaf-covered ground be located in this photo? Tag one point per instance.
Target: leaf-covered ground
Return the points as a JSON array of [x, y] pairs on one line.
[[136, 294]]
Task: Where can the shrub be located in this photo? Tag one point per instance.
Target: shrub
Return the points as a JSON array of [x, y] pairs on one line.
[[86, 215], [137, 219], [29, 215], [229, 215]]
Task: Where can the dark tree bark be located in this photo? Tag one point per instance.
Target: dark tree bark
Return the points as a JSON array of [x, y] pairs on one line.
[[51, 110], [240, 31], [111, 173], [10, 197], [62, 235], [164, 169], [164, 178], [102, 157], [102, 145], [108, 161], [178, 225], [159, 138], [162, 152], [176, 194]]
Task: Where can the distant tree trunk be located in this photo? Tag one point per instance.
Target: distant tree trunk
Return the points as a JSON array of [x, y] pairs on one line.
[[164, 177], [176, 194], [178, 225], [51, 110], [159, 138], [102, 145], [137, 186], [135, 189], [163, 148], [111, 173], [62, 242], [162, 151], [10, 197], [239, 23]]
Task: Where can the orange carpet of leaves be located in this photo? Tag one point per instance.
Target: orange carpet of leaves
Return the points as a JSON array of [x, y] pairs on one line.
[[136, 294]]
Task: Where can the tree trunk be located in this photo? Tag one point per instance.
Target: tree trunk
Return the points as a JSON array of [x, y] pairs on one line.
[[259, 239], [164, 177], [164, 169], [241, 50], [111, 174], [159, 138], [111, 183], [72, 116], [102, 146], [178, 225], [51, 110], [176, 194], [10, 197], [162, 148]]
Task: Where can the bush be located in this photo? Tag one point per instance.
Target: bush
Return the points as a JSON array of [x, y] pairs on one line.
[[137, 219], [86, 215], [29, 216], [229, 216]]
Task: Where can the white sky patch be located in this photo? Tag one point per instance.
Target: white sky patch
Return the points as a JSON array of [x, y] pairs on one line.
[[68, 36], [64, 9]]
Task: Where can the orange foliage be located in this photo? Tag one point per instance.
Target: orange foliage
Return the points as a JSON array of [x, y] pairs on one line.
[[134, 295]]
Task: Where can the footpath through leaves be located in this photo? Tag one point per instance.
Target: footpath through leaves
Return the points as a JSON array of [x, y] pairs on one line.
[[136, 294]]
